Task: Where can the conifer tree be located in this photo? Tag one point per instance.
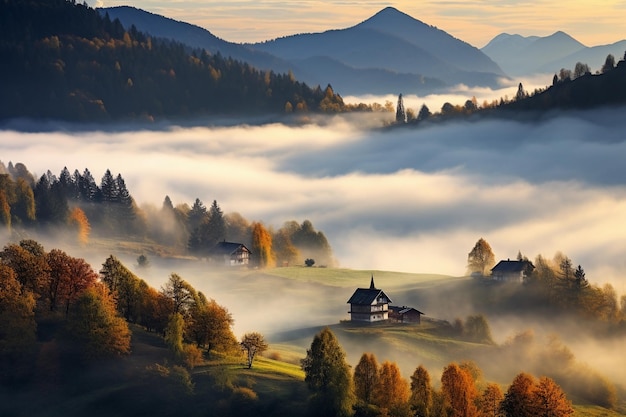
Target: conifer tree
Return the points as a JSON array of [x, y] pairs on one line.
[[400, 111]]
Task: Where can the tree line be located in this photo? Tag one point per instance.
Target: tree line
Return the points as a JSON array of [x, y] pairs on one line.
[[555, 284], [90, 311], [76, 202], [63, 60], [606, 87], [375, 389]]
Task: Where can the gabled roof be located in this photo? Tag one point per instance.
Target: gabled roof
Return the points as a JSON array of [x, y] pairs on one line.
[[403, 309], [367, 296], [227, 248], [509, 266]]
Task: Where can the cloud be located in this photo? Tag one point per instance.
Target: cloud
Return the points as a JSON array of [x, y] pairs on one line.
[[405, 199]]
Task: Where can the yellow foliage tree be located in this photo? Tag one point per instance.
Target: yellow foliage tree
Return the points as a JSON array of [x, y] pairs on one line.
[[95, 324], [262, 246], [78, 219], [392, 390], [459, 391]]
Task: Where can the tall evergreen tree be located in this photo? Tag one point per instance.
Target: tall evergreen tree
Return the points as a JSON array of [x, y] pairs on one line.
[[400, 111]]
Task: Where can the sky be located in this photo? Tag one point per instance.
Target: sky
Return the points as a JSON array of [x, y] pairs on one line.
[[474, 21]]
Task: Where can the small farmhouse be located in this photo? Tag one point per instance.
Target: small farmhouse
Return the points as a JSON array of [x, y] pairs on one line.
[[512, 271], [405, 314], [369, 304], [230, 254]]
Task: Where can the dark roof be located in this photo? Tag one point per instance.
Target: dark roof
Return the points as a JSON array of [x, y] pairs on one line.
[[366, 296], [227, 248], [403, 309], [509, 266]]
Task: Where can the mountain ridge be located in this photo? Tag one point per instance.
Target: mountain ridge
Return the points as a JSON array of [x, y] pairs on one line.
[[528, 55], [373, 45]]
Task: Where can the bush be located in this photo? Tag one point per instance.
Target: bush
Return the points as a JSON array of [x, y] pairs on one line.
[[309, 262]]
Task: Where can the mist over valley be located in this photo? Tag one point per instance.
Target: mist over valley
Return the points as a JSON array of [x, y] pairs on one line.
[[336, 190]]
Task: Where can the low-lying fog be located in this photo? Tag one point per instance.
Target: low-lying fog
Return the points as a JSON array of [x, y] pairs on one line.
[[402, 199], [405, 199]]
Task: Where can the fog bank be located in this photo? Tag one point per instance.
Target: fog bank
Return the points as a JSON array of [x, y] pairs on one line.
[[402, 199]]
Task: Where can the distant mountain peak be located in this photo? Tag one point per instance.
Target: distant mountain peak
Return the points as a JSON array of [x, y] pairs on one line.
[[388, 15]]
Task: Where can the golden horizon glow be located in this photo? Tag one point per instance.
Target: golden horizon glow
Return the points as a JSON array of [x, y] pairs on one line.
[[473, 21]]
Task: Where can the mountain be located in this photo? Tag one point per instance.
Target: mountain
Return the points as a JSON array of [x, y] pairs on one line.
[[64, 60], [390, 52], [351, 79], [593, 56], [393, 41], [193, 36], [519, 56]]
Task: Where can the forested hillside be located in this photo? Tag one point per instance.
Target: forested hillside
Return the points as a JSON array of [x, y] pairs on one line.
[[74, 203], [62, 60]]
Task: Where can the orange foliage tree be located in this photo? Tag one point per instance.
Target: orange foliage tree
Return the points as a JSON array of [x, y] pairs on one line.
[[262, 246], [459, 391], [79, 220]]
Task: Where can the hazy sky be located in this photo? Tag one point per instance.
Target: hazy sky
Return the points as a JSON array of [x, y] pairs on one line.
[[474, 21]]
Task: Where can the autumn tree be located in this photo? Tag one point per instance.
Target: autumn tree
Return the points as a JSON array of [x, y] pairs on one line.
[[459, 391], [180, 292], [27, 259], [155, 308], [253, 343], [490, 400], [477, 329], [519, 399], [550, 400], [286, 252], [174, 334], [262, 246], [78, 220], [94, 323], [17, 317], [366, 377], [124, 286], [481, 258], [392, 391], [68, 278], [327, 375], [421, 392], [210, 325], [24, 206]]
